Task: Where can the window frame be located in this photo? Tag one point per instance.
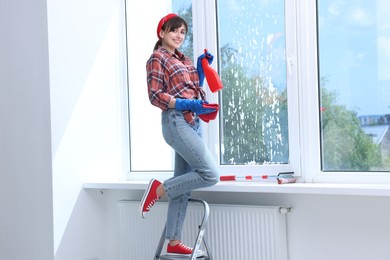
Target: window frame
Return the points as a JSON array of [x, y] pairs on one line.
[[205, 29]]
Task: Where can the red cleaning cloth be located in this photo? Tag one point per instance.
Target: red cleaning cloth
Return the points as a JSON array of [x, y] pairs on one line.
[[210, 116]]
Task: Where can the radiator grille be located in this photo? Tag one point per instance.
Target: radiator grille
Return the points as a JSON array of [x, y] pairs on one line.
[[233, 232]]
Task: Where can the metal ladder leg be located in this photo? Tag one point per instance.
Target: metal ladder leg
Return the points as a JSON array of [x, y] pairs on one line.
[[199, 239], [160, 245]]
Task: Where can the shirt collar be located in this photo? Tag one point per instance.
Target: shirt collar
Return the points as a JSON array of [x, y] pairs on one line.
[[177, 54]]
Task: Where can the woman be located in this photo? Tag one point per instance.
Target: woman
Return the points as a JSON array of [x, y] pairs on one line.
[[174, 85]]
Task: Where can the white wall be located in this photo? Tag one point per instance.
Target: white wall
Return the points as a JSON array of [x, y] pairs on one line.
[[324, 227], [88, 110], [26, 222], [321, 227]]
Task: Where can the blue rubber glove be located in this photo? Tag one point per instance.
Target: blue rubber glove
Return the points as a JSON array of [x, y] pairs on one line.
[[195, 105], [199, 67]]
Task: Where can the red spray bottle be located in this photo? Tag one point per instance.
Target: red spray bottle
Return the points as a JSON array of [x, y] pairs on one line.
[[211, 75]]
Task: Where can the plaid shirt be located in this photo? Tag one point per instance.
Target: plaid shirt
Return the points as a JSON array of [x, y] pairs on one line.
[[172, 76]]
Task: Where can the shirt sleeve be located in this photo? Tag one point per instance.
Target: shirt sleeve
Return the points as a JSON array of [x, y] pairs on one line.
[[156, 83]]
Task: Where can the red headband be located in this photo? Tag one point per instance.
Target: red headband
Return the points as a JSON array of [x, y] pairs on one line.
[[162, 22]]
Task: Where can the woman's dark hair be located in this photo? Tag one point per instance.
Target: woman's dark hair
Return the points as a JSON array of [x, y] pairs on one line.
[[171, 25]]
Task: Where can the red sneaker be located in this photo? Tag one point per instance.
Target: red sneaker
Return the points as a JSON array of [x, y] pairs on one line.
[[183, 250], [179, 249], [150, 197]]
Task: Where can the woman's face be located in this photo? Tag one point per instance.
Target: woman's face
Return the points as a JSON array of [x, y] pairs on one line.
[[173, 40]]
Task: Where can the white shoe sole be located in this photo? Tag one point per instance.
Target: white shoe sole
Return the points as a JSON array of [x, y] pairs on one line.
[[142, 203], [201, 253]]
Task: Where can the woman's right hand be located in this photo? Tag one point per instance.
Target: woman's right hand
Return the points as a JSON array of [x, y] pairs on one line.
[[195, 105]]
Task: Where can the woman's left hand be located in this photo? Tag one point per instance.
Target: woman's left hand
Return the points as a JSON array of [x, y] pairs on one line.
[[206, 55], [199, 67]]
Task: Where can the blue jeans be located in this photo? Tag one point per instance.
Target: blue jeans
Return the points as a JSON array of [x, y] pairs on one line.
[[194, 167]]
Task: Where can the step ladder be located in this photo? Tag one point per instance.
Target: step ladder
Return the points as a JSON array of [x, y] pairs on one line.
[[199, 239]]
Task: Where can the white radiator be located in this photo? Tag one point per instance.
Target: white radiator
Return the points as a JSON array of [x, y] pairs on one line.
[[234, 232]]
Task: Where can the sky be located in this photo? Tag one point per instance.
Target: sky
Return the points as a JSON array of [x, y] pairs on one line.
[[256, 30], [354, 46]]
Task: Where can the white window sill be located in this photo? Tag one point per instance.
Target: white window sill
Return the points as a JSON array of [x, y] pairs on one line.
[[260, 187]]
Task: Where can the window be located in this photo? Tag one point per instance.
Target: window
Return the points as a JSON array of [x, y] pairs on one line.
[[148, 150], [255, 47], [354, 80], [305, 86], [254, 116]]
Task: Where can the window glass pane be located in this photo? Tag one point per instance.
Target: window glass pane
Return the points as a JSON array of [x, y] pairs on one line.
[[148, 150], [354, 75], [252, 46]]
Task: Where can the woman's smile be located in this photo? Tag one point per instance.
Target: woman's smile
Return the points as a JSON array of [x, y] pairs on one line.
[[173, 40]]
